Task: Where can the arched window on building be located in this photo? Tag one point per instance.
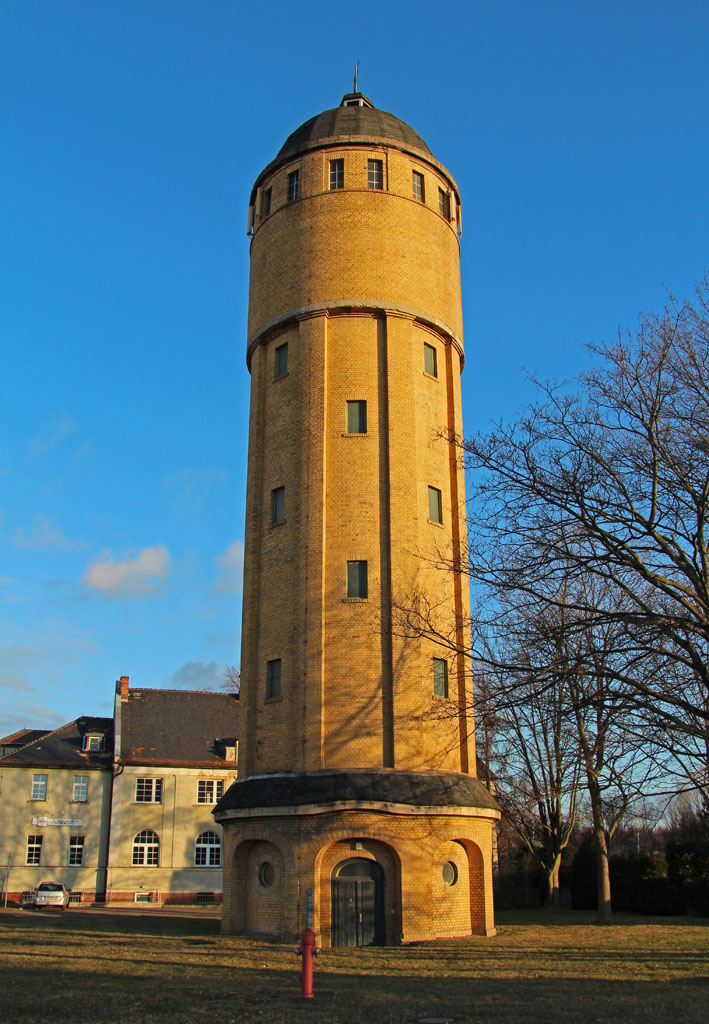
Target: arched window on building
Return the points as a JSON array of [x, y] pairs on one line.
[[208, 850], [146, 848]]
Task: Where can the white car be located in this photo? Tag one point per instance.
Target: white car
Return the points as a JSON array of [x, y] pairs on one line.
[[51, 894]]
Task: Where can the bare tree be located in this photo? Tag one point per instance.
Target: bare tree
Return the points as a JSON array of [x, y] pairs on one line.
[[232, 680], [533, 761], [611, 484]]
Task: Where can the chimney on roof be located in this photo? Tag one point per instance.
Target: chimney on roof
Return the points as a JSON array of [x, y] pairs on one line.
[[123, 687]]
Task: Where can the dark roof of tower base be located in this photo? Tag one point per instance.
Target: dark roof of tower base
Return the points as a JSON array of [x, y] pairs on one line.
[[356, 115], [420, 789]]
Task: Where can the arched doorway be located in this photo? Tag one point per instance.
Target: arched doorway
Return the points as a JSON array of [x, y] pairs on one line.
[[358, 903]]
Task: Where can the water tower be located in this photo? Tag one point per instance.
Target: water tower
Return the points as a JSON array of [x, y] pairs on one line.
[[357, 797]]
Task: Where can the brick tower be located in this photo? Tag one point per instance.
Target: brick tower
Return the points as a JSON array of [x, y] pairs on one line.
[[356, 793]]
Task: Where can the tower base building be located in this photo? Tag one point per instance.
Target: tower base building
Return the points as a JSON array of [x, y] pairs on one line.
[[356, 805]]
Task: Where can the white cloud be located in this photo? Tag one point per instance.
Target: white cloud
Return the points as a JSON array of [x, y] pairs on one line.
[[45, 533], [132, 577], [52, 433], [231, 564], [197, 675]]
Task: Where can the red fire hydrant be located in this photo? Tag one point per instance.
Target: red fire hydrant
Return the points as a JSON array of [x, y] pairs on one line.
[[307, 949]]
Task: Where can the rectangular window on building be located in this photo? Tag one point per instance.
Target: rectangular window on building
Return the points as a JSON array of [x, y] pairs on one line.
[[435, 505], [430, 360], [293, 186], [273, 679], [357, 580], [337, 174], [81, 788], [282, 360], [39, 787], [375, 174], [209, 791], [94, 743], [266, 203], [278, 506], [444, 203], [357, 417], [148, 791], [419, 186], [34, 849], [76, 851], [440, 677]]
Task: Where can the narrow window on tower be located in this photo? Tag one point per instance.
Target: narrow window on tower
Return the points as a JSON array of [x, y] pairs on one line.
[[293, 186], [337, 174], [435, 505], [430, 360], [375, 174], [281, 360], [267, 203], [419, 186], [278, 506], [440, 677], [357, 417], [444, 203], [273, 679], [357, 580]]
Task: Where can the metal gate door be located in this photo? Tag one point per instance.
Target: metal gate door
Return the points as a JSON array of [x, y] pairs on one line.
[[358, 904], [353, 912]]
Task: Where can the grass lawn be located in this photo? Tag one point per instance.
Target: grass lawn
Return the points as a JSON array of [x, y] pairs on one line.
[[125, 969]]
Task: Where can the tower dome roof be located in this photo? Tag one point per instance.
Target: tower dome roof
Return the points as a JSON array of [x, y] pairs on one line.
[[356, 115]]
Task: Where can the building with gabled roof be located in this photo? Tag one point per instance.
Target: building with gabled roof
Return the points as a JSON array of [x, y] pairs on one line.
[[175, 756], [119, 809], [56, 794]]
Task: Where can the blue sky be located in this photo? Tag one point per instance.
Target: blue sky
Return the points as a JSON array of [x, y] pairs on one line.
[[132, 133]]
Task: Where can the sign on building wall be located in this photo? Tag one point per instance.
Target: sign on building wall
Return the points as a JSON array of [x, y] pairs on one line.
[[42, 821]]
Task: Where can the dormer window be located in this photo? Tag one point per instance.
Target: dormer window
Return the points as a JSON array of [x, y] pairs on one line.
[[93, 742]]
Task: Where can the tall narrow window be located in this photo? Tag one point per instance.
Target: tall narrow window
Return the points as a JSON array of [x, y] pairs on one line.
[[266, 208], [34, 849], [146, 849], [81, 788], [430, 360], [357, 417], [208, 850], [444, 203], [435, 505], [357, 580], [39, 787], [76, 851], [375, 174], [293, 186], [337, 174], [418, 186], [278, 506], [273, 679], [440, 677], [282, 360]]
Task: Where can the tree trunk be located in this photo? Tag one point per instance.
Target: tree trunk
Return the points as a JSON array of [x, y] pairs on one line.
[[553, 901], [603, 879]]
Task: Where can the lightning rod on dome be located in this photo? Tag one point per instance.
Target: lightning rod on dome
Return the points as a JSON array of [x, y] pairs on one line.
[[355, 78]]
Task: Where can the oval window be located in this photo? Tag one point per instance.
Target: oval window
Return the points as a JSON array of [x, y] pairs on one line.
[[450, 873], [266, 874]]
